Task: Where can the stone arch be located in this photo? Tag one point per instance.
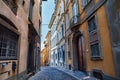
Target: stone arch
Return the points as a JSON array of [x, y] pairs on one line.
[[78, 57]]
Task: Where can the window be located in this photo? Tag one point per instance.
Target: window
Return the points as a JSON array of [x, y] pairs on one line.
[[59, 54], [67, 21], [75, 8], [68, 40], [85, 3], [62, 6], [12, 5], [92, 24], [62, 30], [94, 38], [63, 52], [75, 14], [66, 2], [40, 10], [69, 47], [8, 44], [57, 36], [69, 55], [31, 9], [95, 52]]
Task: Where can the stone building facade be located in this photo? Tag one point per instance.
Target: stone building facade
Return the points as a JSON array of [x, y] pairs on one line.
[[61, 49], [19, 38], [57, 25], [71, 11], [53, 41]]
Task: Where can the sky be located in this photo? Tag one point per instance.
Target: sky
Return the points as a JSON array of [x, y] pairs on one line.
[[47, 11]]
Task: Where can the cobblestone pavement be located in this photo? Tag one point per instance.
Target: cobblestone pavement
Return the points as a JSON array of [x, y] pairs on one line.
[[49, 73]]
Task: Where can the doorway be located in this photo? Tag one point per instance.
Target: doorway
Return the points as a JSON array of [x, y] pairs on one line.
[[79, 52], [30, 61]]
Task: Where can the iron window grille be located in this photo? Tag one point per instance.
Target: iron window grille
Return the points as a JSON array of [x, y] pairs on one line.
[[8, 44]]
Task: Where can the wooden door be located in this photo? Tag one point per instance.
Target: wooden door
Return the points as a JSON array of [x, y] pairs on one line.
[[81, 54]]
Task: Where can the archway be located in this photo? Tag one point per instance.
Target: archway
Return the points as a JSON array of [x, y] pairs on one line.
[[79, 51]]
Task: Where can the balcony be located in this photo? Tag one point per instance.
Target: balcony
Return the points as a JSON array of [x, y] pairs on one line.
[[74, 22]]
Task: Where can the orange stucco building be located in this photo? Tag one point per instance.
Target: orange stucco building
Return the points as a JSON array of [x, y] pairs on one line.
[[90, 37]]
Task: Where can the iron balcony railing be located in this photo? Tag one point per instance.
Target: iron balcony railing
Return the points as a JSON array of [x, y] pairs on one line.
[[74, 21]]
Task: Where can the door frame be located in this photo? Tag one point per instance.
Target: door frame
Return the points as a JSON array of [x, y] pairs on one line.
[[76, 36]]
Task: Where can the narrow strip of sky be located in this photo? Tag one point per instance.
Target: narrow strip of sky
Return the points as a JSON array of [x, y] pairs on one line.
[[47, 11]]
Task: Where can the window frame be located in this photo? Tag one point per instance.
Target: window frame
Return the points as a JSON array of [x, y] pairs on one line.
[[93, 55], [62, 29], [69, 55], [67, 20], [85, 3], [75, 9], [100, 57], [31, 9], [13, 48]]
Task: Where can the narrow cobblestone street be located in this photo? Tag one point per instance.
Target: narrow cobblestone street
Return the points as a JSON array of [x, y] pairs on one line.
[[49, 73]]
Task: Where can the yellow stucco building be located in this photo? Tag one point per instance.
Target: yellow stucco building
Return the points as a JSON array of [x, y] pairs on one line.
[[92, 37], [45, 53], [44, 58], [89, 40]]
